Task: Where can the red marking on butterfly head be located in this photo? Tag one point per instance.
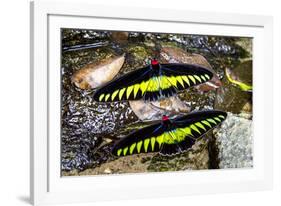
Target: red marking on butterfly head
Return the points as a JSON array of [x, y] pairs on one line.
[[154, 62], [165, 118]]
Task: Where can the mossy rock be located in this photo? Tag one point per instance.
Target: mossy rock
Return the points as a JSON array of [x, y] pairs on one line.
[[139, 52]]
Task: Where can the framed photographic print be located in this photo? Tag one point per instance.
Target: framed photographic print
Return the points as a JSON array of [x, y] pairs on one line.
[[161, 105]]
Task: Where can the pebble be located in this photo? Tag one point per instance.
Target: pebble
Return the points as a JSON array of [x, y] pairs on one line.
[[107, 171]]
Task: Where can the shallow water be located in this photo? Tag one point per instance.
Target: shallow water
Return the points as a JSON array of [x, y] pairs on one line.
[[88, 127]]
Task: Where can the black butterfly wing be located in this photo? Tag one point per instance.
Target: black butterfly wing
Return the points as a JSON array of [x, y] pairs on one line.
[[169, 137], [140, 141], [172, 78], [183, 76], [131, 86], [191, 127], [151, 84]]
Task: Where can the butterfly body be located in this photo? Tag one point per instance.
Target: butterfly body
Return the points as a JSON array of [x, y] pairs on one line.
[[153, 82]]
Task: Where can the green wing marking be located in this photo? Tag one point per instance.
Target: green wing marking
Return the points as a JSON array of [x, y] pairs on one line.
[[169, 137]]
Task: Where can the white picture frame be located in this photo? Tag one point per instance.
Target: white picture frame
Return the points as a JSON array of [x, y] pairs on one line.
[[47, 185]]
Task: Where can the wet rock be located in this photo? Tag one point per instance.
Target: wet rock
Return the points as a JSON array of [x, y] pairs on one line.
[[73, 37], [197, 158], [156, 109], [88, 128], [246, 45], [95, 74], [198, 100], [129, 164], [235, 142], [232, 99]]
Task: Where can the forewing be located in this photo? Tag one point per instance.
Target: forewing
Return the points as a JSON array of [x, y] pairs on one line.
[[130, 86], [189, 128], [183, 76], [175, 77]]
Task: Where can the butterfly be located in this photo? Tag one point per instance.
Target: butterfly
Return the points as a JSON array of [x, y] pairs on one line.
[[169, 136], [153, 82]]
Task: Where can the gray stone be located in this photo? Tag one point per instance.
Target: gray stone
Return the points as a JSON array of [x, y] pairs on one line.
[[235, 141]]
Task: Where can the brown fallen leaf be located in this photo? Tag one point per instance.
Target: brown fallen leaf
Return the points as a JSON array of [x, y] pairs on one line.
[[95, 74]]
